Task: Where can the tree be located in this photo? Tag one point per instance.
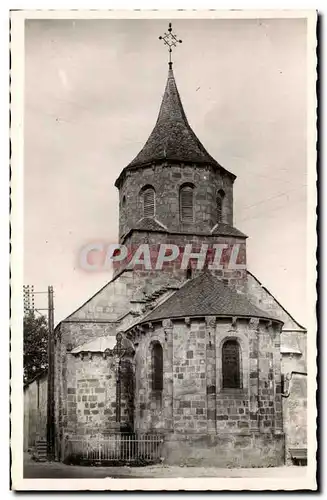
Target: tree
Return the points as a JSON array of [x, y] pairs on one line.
[[35, 345]]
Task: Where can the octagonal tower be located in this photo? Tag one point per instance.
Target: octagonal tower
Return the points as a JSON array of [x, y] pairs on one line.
[[174, 183]]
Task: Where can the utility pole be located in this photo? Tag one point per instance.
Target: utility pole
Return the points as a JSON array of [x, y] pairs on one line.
[[29, 305], [50, 402]]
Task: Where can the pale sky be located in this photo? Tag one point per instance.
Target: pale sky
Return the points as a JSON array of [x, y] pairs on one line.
[[93, 92]]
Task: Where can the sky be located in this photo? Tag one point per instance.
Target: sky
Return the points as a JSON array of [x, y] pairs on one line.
[[93, 89]]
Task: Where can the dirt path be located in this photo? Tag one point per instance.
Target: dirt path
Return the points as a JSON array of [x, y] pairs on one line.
[[34, 469]]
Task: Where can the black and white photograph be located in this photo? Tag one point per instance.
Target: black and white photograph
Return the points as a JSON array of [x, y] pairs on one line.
[[163, 250]]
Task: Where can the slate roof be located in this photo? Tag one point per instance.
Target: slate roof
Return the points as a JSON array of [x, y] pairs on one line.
[[101, 344], [172, 138], [148, 223], [226, 230], [285, 349], [206, 295]]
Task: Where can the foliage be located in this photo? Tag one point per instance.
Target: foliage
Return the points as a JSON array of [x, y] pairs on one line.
[[35, 345]]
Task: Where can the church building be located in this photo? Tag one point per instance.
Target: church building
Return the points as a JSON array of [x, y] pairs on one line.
[[204, 357]]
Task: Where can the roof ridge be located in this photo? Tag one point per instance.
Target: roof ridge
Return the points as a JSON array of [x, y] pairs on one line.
[[149, 220], [277, 301], [162, 303], [206, 295], [227, 229]]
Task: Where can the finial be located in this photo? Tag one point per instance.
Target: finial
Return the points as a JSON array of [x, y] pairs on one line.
[[171, 41]]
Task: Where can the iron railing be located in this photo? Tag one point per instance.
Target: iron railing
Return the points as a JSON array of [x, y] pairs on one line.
[[115, 448]]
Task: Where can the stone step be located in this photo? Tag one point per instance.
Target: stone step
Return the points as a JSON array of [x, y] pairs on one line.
[[41, 450]]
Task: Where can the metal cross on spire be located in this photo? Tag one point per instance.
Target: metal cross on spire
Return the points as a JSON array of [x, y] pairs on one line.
[[171, 41]]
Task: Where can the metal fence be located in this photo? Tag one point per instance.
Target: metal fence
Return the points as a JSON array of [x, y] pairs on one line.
[[115, 448]]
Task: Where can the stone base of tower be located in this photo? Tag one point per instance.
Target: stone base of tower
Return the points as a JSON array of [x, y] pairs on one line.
[[225, 450]]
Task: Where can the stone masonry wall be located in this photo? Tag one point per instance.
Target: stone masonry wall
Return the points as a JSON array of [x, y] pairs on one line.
[[263, 299], [234, 410], [189, 375], [293, 417], [120, 296], [172, 270], [91, 395], [102, 313], [111, 302], [67, 336], [193, 399], [85, 388], [167, 180], [270, 403], [296, 361], [295, 414], [152, 410], [224, 450]]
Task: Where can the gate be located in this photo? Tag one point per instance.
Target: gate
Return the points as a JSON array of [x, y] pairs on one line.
[[115, 449]]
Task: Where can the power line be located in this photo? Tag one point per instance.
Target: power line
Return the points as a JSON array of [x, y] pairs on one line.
[[273, 197], [279, 179], [266, 211], [244, 167]]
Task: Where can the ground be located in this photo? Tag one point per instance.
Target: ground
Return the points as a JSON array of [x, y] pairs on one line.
[[34, 469]]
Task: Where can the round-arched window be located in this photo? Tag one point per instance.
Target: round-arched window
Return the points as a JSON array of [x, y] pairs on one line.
[[149, 200], [220, 206], [231, 362], [157, 367], [186, 202]]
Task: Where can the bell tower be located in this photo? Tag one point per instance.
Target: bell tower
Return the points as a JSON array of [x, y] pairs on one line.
[[174, 189]]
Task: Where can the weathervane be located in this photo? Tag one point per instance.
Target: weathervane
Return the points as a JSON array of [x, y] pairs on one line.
[[171, 41]]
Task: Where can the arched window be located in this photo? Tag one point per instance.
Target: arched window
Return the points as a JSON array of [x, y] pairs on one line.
[[219, 205], [231, 365], [186, 203], [149, 202], [157, 367]]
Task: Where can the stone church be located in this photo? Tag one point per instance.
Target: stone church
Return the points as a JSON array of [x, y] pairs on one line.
[[207, 359]]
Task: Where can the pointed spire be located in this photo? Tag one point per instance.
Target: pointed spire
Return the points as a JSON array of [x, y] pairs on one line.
[[172, 137], [171, 106]]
